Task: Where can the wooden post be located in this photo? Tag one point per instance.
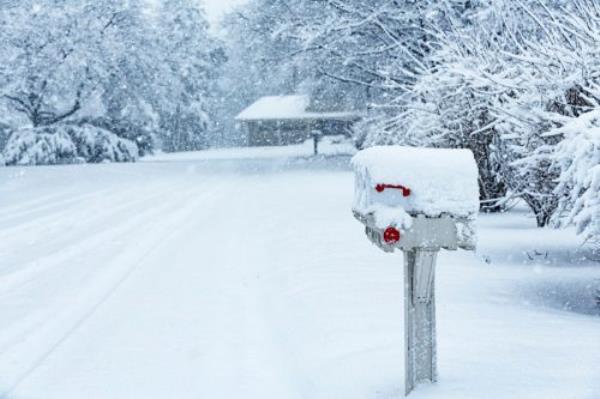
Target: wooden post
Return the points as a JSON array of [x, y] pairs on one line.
[[279, 135], [315, 137], [419, 317], [250, 133]]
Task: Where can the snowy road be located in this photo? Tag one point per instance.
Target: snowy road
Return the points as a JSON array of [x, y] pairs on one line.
[[204, 277]]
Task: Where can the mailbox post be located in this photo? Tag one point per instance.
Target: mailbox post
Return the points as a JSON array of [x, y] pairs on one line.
[[419, 317], [419, 201]]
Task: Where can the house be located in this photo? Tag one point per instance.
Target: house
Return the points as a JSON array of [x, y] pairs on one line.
[[284, 120]]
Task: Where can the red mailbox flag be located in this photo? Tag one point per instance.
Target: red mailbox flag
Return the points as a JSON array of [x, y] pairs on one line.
[[405, 190]]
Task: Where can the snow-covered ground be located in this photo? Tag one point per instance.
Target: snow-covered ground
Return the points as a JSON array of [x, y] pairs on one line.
[[328, 146], [242, 274]]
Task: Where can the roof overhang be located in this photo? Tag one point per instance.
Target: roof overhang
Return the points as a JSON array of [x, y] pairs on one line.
[[290, 108]]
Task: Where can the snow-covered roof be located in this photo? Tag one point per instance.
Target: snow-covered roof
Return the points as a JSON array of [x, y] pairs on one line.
[[291, 107]]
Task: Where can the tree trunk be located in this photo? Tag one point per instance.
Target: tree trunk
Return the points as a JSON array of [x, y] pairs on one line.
[[543, 208]]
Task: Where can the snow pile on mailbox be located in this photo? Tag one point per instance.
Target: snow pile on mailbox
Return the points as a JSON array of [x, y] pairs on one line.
[[394, 184]]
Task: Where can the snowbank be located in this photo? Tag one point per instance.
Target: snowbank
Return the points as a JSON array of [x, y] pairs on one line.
[[416, 180], [329, 146]]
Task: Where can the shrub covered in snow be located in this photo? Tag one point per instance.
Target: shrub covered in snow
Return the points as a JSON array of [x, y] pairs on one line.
[[578, 158], [41, 146], [127, 129], [98, 145], [62, 144]]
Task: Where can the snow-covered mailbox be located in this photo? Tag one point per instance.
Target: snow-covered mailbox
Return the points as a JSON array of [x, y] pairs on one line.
[[418, 200]]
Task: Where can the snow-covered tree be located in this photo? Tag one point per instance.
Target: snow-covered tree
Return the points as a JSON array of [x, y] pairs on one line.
[[260, 61], [135, 68], [489, 87], [578, 158], [193, 59], [558, 80], [60, 54], [450, 105]]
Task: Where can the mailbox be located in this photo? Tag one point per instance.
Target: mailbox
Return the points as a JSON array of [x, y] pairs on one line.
[[417, 200]]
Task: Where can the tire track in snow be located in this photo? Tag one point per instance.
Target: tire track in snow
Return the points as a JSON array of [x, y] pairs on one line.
[[34, 202], [263, 368], [31, 275], [81, 209], [199, 303], [66, 246], [154, 240], [31, 208]]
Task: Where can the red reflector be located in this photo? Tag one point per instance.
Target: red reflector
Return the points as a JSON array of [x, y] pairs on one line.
[[391, 235]]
